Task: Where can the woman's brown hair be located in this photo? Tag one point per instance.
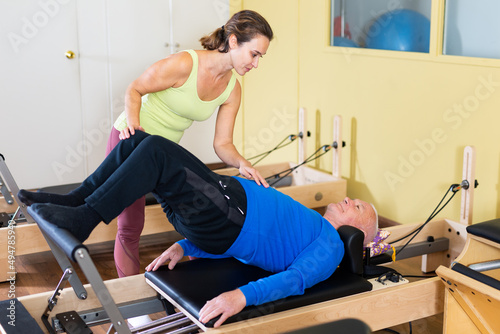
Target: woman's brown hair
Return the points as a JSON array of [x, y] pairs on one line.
[[245, 25]]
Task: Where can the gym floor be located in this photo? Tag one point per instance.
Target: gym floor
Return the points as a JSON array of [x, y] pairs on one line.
[[40, 273]]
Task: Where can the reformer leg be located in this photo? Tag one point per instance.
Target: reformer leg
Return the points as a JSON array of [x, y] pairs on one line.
[[65, 265], [102, 293]]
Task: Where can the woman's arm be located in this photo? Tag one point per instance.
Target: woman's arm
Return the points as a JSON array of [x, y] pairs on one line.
[[223, 139], [169, 72]]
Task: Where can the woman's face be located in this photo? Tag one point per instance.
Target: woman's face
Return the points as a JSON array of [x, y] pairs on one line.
[[246, 56]]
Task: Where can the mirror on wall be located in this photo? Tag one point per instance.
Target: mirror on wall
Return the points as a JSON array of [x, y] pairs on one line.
[[401, 25], [471, 28]]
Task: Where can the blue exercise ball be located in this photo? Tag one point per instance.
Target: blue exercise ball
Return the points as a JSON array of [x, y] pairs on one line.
[[400, 30], [342, 41]]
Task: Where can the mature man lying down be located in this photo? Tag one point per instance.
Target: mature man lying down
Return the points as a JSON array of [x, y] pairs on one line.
[[220, 216]]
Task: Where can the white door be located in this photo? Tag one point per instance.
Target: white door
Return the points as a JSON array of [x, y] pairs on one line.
[[40, 105], [138, 36]]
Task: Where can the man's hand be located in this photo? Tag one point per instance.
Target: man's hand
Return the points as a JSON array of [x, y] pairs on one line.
[[174, 253], [225, 305]]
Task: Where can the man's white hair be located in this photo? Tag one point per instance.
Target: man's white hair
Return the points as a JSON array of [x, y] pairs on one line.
[[375, 230], [376, 216]]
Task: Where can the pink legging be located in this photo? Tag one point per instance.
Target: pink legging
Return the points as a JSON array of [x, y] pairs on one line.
[[130, 225]]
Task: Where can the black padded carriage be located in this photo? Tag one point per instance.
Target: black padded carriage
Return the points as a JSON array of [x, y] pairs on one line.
[[194, 282]]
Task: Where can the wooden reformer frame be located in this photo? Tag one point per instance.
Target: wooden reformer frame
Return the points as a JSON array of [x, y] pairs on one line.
[[379, 309]]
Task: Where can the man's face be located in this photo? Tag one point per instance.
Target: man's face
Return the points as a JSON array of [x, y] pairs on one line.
[[349, 212]]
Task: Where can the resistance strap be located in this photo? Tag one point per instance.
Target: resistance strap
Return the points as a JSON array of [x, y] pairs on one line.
[[278, 176], [277, 147]]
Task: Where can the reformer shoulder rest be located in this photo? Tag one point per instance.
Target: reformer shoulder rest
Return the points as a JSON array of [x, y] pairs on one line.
[[192, 283]]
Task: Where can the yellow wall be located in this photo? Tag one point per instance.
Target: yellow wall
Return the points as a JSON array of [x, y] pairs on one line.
[[269, 105], [406, 117]]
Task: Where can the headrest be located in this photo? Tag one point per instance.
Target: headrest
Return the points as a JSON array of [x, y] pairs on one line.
[[353, 246], [61, 237], [489, 230]]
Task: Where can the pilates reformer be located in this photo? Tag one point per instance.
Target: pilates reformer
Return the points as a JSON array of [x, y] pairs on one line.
[[345, 281], [311, 187], [407, 302]]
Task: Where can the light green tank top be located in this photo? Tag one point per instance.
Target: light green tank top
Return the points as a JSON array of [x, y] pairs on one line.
[[169, 112]]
